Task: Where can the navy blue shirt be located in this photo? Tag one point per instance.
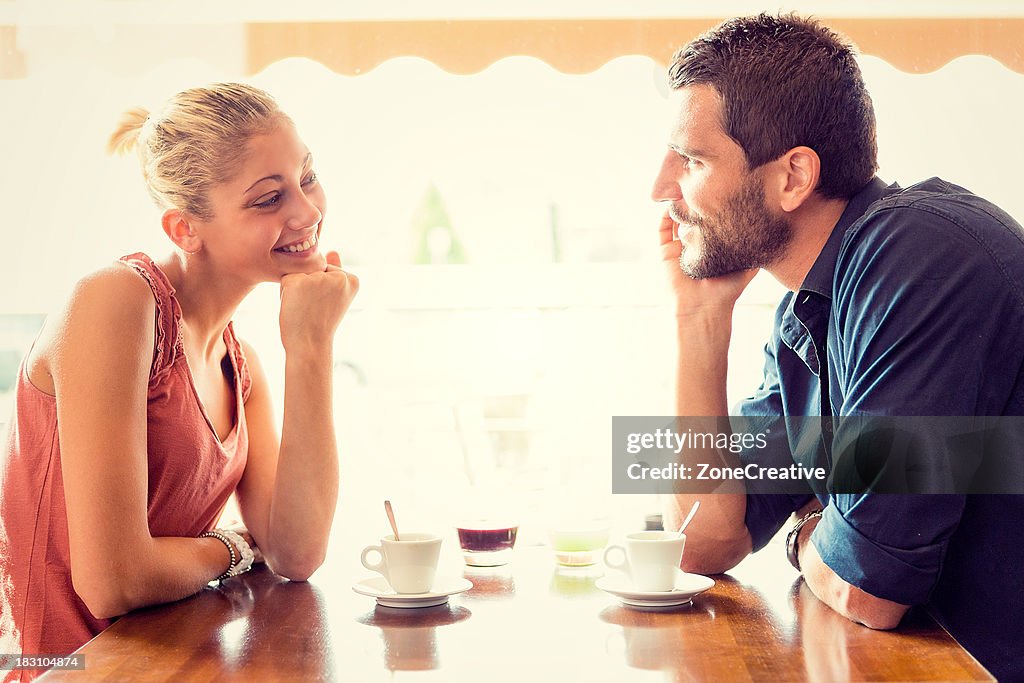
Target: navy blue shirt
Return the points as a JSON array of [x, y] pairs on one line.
[[915, 306]]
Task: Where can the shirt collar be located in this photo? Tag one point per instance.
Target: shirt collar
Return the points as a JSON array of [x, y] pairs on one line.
[[804, 325], [820, 277]]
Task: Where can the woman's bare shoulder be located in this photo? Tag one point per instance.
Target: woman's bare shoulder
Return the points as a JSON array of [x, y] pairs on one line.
[[113, 293], [110, 309]]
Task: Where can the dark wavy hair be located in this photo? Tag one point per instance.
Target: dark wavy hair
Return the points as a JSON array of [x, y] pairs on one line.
[[787, 81]]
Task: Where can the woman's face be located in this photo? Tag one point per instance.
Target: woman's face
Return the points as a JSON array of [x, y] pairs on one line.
[[267, 218]]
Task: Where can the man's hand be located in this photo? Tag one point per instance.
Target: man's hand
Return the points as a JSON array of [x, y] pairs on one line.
[[712, 294]]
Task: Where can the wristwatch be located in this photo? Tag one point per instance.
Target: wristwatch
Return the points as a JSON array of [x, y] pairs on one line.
[[793, 536]]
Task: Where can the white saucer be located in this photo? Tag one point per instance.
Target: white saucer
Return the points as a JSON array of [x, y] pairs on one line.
[[687, 586], [378, 587]]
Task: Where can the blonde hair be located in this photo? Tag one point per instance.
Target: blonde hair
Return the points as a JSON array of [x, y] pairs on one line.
[[195, 141]]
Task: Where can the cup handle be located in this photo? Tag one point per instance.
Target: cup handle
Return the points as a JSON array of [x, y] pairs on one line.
[[379, 565], [622, 565]]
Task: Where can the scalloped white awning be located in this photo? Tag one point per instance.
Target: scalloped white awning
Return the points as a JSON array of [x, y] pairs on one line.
[[914, 45], [467, 44]]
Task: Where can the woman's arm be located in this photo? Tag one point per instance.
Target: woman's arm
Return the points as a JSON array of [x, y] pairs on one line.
[[309, 476], [289, 491], [99, 359]]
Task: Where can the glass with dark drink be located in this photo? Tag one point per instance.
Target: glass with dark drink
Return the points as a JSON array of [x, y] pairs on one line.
[[487, 543]]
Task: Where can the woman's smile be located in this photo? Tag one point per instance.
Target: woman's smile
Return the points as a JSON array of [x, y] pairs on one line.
[[304, 247]]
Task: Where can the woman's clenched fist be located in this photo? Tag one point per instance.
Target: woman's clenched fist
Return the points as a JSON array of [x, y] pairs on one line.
[[313, 304]]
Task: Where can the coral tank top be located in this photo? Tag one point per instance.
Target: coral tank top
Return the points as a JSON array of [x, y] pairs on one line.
[[192, 474]]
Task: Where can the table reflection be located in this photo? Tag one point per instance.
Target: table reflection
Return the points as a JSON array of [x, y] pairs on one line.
[[671, 640], [575, 582], [248, 638], [490, 582], [410, 635], [539, 622], [823, 636]]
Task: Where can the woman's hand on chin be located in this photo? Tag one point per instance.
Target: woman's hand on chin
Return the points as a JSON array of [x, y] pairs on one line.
[[313, 304]]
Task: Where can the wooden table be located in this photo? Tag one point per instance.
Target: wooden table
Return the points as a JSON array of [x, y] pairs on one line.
[[528, 621]]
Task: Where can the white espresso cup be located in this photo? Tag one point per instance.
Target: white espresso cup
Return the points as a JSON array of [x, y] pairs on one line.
[[410, 564], [650, 558]]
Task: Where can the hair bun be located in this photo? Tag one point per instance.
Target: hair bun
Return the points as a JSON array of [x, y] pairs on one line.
[[126, 135]]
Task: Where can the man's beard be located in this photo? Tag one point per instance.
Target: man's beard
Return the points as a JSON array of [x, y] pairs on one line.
[[743, 235]]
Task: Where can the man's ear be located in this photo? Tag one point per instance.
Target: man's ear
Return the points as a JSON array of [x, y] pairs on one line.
[[797, 173], [178, 227]]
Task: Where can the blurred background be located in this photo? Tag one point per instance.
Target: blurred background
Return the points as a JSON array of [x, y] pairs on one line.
[[488, 176]]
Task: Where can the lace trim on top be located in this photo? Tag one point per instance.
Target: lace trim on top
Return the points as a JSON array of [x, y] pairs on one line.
[[235, 349], [168, 345]]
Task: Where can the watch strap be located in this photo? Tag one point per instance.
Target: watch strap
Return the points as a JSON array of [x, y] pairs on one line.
[[793, 538]]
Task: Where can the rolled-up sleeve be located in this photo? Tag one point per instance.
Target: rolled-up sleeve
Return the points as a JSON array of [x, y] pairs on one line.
[[904, 350], [767, 512], [891, 546]]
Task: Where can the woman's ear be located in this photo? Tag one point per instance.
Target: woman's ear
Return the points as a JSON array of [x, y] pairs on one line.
[[178, 227], [798, 173]]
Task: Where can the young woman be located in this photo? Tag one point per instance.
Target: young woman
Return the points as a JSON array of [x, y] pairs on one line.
[[138, 410]]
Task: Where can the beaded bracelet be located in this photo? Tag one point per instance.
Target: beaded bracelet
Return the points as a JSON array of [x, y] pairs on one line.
[[245, 555], [241, 552]]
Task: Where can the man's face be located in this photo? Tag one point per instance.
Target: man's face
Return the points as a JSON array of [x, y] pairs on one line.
[[725, 224]]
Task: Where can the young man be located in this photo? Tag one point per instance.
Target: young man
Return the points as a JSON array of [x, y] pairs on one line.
[[902, 302]]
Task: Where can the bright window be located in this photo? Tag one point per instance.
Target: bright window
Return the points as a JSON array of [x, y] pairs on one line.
[[500, 222]]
